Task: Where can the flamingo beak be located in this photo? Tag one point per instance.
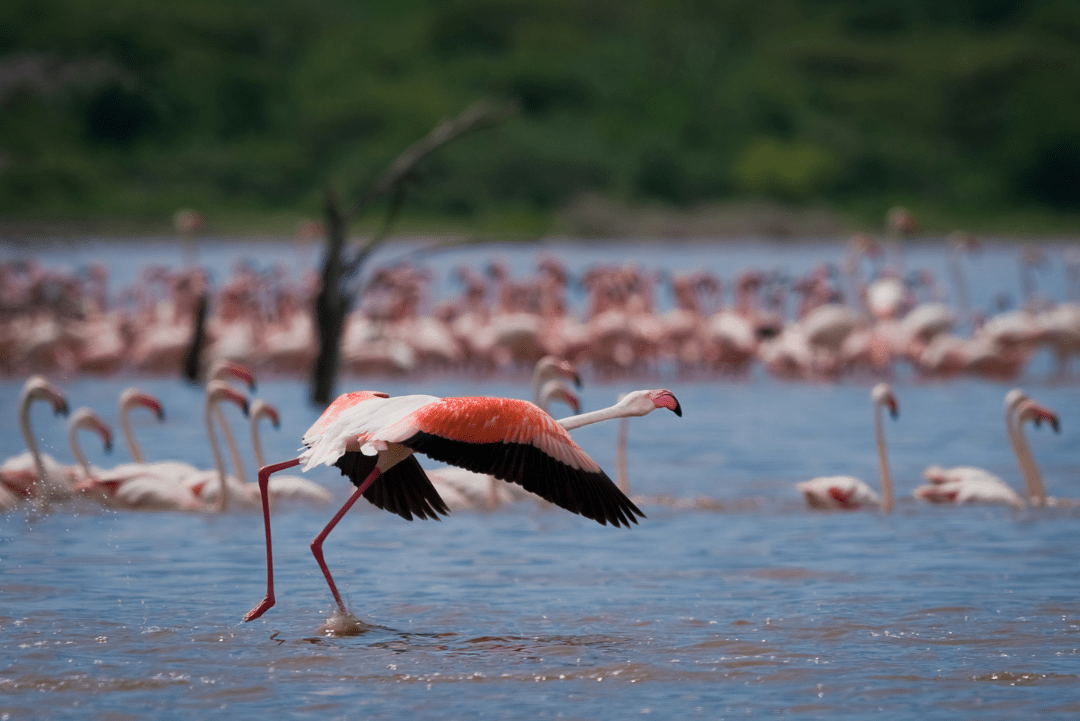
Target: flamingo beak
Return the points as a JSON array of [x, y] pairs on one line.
[[667, 399], [154, 405], [894, 408]]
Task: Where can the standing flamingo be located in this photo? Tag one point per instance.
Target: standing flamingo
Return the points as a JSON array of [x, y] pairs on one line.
[[216, 486], [30, 473], [848, 492], [968, 484], [372, 437], [282, 488]]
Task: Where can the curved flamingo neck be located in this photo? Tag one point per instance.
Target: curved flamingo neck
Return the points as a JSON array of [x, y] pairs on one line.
[[1033, 482], [129, 436], [28, 436], [230, 441], [887, 500], [219, 460], [76, 449]]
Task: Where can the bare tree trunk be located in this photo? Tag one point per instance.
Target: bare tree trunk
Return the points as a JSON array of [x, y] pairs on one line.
[[334, 301], [332, 304]]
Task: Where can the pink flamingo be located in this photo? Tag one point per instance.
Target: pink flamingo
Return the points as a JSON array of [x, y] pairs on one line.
[[216, 486], [848, 492], [969, 484], [32, 473], [282, 488], [372, 437]]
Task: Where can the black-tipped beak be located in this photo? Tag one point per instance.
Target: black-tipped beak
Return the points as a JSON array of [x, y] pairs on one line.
[[677, 410], [577, 380], [61, 409]]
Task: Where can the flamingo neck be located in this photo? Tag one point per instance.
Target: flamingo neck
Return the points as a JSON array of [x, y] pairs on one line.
[[76, 450], [230, 441], [604, 414], [219, 460], [129, 437], [883, 461], [1033, 482], [28, 437]]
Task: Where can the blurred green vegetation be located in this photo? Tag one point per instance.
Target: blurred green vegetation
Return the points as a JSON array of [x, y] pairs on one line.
[[965, 110]]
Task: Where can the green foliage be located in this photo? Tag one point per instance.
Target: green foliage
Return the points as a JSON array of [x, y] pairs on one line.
[[130, 105]]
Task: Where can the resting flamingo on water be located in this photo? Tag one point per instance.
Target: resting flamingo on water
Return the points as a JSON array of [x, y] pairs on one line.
[[848, 492], [968, 484], [372, 437], [32, 473]]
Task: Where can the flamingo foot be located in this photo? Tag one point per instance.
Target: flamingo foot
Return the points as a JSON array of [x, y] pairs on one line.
[[343, 623], [265, 605]]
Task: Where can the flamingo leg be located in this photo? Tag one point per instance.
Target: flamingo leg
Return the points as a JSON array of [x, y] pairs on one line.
[[316, 545], [264, 482]]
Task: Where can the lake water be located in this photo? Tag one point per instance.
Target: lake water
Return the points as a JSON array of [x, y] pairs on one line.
[[758, 608]]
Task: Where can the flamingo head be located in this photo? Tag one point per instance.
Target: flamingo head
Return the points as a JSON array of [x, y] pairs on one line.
[[1032, 411], [552, 366], [556, 390], [217, 391], [38, 388], [222, 369], [135, 397], [86, 418], [882, 395], [640, 403], [260, 408]]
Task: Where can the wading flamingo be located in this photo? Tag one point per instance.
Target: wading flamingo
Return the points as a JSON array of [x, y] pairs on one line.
[[372, 437], [282, 488], [131, 398], [31, 473], [848, 492], [968, 484], [216, 486]]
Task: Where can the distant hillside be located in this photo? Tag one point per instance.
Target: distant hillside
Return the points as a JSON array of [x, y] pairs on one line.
[[131, 108]]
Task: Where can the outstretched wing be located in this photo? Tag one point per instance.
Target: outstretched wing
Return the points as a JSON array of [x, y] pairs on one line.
[[404, 489], [515, 441]]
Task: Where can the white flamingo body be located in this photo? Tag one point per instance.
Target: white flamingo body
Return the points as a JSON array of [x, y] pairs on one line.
[[839, 492], [966, 484]]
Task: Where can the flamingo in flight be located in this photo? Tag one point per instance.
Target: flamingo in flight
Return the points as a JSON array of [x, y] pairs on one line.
[[848, 492], [372, 439]]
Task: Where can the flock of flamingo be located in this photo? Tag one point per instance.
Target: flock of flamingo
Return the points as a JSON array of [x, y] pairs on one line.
[[496, 451], [858, 316]]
